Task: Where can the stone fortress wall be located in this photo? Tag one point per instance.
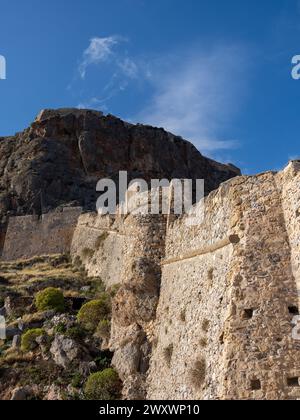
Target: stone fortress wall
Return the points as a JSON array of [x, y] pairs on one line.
[[202, 312], [29, 236], [227, 312]]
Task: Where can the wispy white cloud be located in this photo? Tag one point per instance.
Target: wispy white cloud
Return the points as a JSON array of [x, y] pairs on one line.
[[120, 69], [196, 94], [129, 67], [99, 50]]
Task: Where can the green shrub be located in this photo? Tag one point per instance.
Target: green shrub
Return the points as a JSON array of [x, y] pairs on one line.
[[50, 299], [76, 380], [76, 333], [28, 339], [60, 328], [103, 329], [104, 385], [104, 360], [95, 311]]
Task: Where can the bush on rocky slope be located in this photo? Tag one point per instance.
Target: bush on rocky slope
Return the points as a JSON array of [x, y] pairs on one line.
[[50, 299], [104, 385], [50, 355], [95, 311], [28, 340]]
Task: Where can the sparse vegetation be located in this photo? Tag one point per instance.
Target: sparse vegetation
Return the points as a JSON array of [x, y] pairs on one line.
[[210, 274], [168, 353], [76, 333], [104, 385], [36, 287], [77, 262], [198, 373], [183, 315], [101, 239], [114, 290], [88, 253], [50, 299], [76, 380], [103, 329], [60, 328], [28, 340], [203, 342], [205, 325]]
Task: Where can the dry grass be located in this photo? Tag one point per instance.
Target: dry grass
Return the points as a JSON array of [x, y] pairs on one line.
[[13, 356], [28, 276]]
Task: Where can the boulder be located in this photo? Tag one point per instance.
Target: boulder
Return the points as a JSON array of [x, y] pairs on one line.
[[64, 351]]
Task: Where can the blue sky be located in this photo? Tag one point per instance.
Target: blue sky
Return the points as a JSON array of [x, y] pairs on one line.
[[216, 72]]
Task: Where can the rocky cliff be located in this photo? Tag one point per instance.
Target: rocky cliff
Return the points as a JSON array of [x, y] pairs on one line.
[[61, 156], [206, 311]]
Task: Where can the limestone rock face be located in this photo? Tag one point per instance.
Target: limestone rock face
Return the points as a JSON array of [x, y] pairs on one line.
[[61, 156], [64, 350]]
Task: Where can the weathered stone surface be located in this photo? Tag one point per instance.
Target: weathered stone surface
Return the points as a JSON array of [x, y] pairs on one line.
[[208, 311], [30, 236], [227, 293], [16, 342], [64, 350], [60, 158], [22, 393], [53, 393]]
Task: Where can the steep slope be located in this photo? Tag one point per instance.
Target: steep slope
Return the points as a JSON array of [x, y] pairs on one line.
[[61, 156]]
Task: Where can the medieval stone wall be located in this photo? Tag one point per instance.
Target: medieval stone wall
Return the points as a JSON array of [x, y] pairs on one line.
[[3, 228], [203, 311], [193, 305], [29, 236], [99, 243], [206, 311], [224, 321]]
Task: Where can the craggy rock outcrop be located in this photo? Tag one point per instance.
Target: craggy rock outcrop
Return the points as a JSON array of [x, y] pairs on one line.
[[61, 156]]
